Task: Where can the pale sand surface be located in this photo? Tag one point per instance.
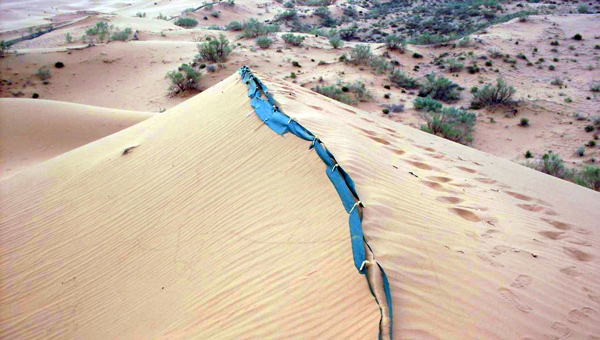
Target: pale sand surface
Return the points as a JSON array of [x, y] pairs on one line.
[[32, 131], [215, 227]]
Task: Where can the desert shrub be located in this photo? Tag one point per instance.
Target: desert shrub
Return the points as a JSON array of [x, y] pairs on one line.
[[417, 55], [35, 95], [360, 54], [528, 154], [292, 39], [494, 54], [359, 89], [491, 95], [264, 41], [348, 32], [215, 50], [186, 22], [394, 107], [69, 37], [121, 35], [43, 74], [215, 27], [589, 128], [336, 42], [185, 78], [140, 15], [439, 88], [488, 63], [4, 46], [254, 28], [455, 66], [211, 68], [385, 111], [451, 123], [234, 26], [334, 92], [589, 177], [591, 144], [379, 65], [59, 64], [582, 9], [322, 12], [524, 122], [551, 164], [162, 17], [554, 43], [472, 69], [287, 15], [427, 104], [399, 78], [216, 14], [395, 42], [580, 151], [595, 87], [577, 37], [557, 81]]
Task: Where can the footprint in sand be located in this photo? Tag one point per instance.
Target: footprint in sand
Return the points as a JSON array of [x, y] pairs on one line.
[[562, 331], [419, 165], [577, 315], [489, 261], [521, 281], [465, 169], [558, 224], [509, 296], [439, 179], [499, 250], [531, 207], [465, 214], [449, 199], [519, 196], [591, 295], [485, 180], [578, 254], [572, 271], [553, 235]]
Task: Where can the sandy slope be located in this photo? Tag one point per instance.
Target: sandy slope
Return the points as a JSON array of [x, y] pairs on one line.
[[212, 228], [32, 131]]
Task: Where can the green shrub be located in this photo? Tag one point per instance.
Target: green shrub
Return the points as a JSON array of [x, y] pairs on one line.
[[399, 78], [234, 26], [417, 55], [386, 111], [185, 78], [336, 42], [216, 50], [491, 95], [580, 151], [439, 88], [379, 65], [589, 177], [43, 74], [595, 87], [524, 122], [140, 15], [591, 143], [264, 41], [451, 123], [472, 69], [69, 37], [528, 154], [121, 35], [577, 37], [557, 81], [334, 92], [35, 95], [296, 64], [395, 42], [589, 128], [216, 14], [427, 104], [287, 15], [488, 63], [254, 28], [582, 9], [359, 89], [348, 32], [186, 22], [551, 164], [360, 54], [162, 17], [455, 66], [292, 39]]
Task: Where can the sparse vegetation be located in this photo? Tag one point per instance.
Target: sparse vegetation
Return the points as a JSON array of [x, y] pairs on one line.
[[186, 22], [427, 104], [344, 93], [417, 55], [395, 42], [360, 54], [491, 95], [121, 35], [215, 50], [264, 41], [440, 88], [528, 154], [336, 42], [577, 37], [69, 38], [451, 123], [43, 74], [455, 66], [185, 78], [292, 39], [401, 79], [234, 26], [524, 122]]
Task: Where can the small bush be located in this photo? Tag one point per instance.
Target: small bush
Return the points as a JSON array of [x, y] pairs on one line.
[[417, 55], [296, 64], [216, 50], [140, 15], [43, 74], [162, 17], [496, 54], [472, 69], [379, 65], [551, 164], [488, 63], [386, 111], [554, 43], [551, 67], [121, 35], [524, 122], [395, 107], [334, 92], [582, 9], [234, 26], [455, 66], [589, 177], [491, 95], [399, 78], [589, 128], [69, 38], [591, 143], [427, 104], [395, 42], [451, 123], [264, 42], [557, 81], [185, 78], [294, 40], [216, 14], [287, 15], [580, 151], [578, 37], [336, 42], [186, 22], [360, 54], [59, 64], [440, 88], [348, 32], [595, 87], [254, 28], [35, 95], [528, 154], [359, 89]]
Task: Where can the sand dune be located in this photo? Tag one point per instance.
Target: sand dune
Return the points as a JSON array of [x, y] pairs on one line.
[[213, 226], [32, 131]]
